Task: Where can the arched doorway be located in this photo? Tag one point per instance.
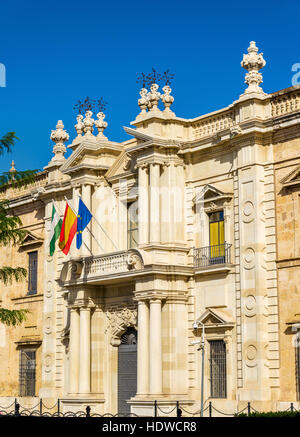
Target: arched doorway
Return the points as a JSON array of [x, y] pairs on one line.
[[127, 369]]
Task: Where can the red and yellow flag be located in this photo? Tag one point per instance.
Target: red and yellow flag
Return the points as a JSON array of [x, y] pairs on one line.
[[68, 230]]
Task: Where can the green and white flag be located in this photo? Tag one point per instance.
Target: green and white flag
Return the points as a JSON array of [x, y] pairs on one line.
[[56, 223]]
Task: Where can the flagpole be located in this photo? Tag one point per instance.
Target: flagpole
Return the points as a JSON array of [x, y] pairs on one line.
[[102, 229], [68, 202]]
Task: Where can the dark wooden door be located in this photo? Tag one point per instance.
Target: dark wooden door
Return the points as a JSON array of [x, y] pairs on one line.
[[127, 370]]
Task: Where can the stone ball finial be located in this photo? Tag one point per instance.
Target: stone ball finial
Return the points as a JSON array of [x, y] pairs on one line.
[[253, 62]]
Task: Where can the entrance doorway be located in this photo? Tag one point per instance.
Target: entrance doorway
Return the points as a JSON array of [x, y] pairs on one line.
[[127, 370]]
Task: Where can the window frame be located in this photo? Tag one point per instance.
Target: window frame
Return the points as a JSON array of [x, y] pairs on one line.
[[27, 385], [221, 391], [32, 290]]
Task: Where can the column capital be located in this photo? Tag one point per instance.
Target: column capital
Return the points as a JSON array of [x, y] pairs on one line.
[[142, 165]]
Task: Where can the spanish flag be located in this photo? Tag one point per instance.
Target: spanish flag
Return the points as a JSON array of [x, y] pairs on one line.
[[68, 230]]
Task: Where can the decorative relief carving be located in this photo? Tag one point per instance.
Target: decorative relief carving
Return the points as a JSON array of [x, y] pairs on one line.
[[49, 286], [119, 319], [134, 262], [48, 325], [48, 362], [250, 306], [248, 211], [249, 258], [251, 355], [127, 162]]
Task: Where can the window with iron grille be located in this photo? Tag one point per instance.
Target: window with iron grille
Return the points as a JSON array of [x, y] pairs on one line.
[[32, 272], [132, 225], [218, 384], [298, 366], [27, 372]]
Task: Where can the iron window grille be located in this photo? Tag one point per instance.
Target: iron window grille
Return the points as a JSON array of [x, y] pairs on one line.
[[218, 380], [27, 372], [32, 272]]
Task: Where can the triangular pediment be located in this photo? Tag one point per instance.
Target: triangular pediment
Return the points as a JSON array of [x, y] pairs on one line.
[[210, 193], [31, 239], [215, 317], [293, 178]]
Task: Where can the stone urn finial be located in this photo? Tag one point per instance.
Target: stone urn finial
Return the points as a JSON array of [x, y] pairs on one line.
[[59, 136], [80, 125], [13, 170], [166, 98], [88, 123], [153, 97], [101, 125], [143, 101], [253, 62]]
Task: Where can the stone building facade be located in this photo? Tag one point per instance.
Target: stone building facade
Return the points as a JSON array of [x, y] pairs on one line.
[[20, 347], [192, 227]]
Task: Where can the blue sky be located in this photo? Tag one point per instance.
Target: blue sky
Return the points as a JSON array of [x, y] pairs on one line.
[[58, 52]]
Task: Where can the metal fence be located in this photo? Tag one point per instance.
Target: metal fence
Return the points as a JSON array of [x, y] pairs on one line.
[[41, 410]]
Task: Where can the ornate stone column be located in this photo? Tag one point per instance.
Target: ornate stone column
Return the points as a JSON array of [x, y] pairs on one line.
[[143, 181], [154, 203], [85, 350], [74, 351], [86, 248], [155, 347], [143, 348]]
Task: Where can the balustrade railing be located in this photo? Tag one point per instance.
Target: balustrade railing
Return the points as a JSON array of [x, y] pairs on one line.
[[214, 124], [211, 255], [104, 264], [285, 104]]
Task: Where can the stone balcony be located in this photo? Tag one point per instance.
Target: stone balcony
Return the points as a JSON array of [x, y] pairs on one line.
[[101, 267]]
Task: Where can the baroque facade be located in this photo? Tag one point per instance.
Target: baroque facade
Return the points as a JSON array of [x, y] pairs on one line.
[[195, 227]]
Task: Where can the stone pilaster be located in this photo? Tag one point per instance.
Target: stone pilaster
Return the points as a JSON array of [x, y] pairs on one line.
[[85, 350], [155, 347], [143, 348], [74, 351]]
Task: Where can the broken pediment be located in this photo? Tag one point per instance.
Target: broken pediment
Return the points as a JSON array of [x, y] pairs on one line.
[[123, 164], [292, 179], [92, 155], [213, 318]]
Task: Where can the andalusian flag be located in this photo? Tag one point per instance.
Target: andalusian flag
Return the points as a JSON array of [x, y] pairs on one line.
[[55, 228], [68, 230]]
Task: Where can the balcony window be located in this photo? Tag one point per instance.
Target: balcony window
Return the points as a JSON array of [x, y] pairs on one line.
[[132, 225], [216, 237]]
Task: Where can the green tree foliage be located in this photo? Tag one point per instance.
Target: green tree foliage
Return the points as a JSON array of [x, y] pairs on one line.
[[10, 232]]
